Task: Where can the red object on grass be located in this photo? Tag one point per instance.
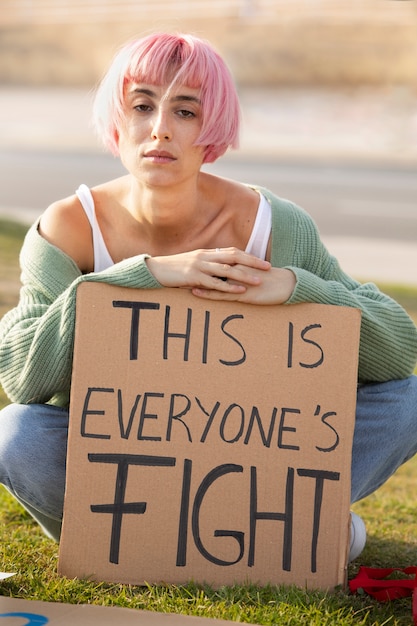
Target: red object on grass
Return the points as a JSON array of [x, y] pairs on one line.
[[374, 582]]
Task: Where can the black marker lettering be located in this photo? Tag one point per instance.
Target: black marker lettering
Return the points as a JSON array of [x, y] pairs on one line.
[[211, 477], [125, 432], [314, 343], [255, 417], [119, 507], [184, 512], [286, 517], [175, 414], [211, 417], [134, 325], [283, 428], [290, 343], [323, 419], [186, 335], [87, 411], [320, 476], [239, 431], [223, 326], [147, 416], [205, 337]]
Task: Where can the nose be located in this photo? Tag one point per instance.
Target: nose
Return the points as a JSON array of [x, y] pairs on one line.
[[160, 127]]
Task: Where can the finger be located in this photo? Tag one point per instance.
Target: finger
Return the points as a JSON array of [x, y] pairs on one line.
[[221, 271], [215, 294], [241, 274], [246, 275], [219, 283], [234, 256]]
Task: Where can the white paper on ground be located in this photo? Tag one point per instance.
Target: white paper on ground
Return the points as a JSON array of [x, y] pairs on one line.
[[4, 575]]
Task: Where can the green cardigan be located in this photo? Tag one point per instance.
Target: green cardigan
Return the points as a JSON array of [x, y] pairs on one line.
[[36, 337]]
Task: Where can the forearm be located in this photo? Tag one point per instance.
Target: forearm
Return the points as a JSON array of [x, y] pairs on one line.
[[388, 342], [36, 338]]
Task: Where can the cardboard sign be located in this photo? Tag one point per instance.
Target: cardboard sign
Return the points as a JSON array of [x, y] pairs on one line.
[[209, 441], [17, 612]]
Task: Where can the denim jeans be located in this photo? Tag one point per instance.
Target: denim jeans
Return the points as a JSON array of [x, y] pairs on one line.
[[33, 442]]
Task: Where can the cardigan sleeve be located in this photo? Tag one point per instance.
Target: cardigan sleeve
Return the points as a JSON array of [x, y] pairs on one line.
[[37, 336], [388, 338]]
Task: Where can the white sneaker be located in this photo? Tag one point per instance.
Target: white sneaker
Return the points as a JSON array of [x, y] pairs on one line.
[[357, 536]]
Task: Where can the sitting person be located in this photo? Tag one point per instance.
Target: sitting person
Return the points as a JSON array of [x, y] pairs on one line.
[[166, 106]]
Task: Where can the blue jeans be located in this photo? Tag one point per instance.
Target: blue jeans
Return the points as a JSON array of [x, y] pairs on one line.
[[33, 442]]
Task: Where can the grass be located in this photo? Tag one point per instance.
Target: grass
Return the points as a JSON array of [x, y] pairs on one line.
[[389, 514]]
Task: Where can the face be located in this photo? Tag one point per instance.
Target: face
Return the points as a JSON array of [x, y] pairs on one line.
[[156, 140]]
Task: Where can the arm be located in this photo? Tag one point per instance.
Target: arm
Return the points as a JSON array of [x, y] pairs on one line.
[[388, 343], [36, 338], [304, 271], [388, 340]]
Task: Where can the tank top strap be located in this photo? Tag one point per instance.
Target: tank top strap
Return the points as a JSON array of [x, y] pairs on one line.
[[258, 241], [102, 258], [257, 244]]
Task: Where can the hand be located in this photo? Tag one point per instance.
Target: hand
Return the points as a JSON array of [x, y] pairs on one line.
[[275, 287], [225, 271]]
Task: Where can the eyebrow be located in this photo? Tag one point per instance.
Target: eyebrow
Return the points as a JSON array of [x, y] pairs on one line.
[[178, 98]]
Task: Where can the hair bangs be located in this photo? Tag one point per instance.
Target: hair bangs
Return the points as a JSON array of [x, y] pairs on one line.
[[172, 60]]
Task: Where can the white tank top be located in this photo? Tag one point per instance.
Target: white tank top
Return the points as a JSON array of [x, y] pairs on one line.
[[102, 258], [257, 244]]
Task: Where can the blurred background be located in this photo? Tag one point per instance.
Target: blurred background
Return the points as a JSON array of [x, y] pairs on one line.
[[266, 42], [328, 91]]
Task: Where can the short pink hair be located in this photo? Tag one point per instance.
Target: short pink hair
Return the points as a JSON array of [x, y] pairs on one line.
[[170, 59]]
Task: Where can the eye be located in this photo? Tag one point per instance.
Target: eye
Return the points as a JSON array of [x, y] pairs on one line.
[[143, 108], [185, 113]]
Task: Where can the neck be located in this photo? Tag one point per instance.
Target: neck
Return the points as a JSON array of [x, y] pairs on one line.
[[168, 215]]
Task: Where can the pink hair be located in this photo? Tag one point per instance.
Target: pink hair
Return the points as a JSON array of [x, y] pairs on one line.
[[169, 59]]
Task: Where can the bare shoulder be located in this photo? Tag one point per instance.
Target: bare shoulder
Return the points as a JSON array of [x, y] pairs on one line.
[[240, 200], [238, 205], [66, 226], [233, 195]]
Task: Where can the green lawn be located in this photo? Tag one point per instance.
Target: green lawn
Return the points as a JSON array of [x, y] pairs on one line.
[[390, 516]]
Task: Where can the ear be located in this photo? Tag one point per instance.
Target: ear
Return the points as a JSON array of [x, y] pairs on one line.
[[114, 143], [213, 152]]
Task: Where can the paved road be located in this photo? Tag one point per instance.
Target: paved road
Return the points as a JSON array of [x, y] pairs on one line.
[[365, 201]]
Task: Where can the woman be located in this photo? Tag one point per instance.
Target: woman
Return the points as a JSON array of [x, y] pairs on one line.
[[166, 106]]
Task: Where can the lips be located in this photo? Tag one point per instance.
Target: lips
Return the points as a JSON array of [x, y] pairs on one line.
[[159, 156]]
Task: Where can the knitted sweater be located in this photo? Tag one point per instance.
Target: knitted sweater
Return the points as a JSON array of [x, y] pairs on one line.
[[36, 337]]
